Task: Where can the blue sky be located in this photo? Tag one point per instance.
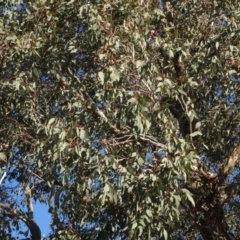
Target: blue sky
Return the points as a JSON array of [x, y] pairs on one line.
[[42, 217]]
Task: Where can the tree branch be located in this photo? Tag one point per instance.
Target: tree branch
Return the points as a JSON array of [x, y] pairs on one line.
[[33, 227], [3, 176], [231, 162], [227, 192], [117, 131]]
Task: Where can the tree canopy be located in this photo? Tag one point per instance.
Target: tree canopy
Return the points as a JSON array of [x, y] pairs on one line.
[[122, 116]]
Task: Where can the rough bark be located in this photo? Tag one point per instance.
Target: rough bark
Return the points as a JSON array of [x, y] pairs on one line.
[[210, 196], [214, 226]]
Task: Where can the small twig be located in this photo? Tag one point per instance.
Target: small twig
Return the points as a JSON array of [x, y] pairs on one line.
[[42, 180], [152, 141], [3, 176]]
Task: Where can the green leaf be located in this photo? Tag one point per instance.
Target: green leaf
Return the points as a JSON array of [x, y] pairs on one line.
[[35, 73], [140, 161], [114, 74], [140, 229], [195, 134], [165, 234], [101, 77], [131, 100], [139, 124], [198, 125], [139, 64], [134, 225], [16, 84], [176, 212], [51, 121], [3, 157], [181, 91], [170, 53], [82, 134], [149, 212], [189, 196]]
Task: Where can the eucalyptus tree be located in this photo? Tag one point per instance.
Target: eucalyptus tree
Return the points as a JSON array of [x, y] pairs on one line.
[[122, 117]]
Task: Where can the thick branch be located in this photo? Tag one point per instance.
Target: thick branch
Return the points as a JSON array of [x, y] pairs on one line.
[[227, 192], [35, 230], [33, 227], [231, 162], [29, 202], [198, 171]]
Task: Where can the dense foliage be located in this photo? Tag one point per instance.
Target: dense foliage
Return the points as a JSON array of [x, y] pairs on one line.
[[122, 116]]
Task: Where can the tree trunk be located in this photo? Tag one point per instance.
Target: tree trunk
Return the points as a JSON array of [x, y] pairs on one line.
[[213, 225], [34, 229]]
